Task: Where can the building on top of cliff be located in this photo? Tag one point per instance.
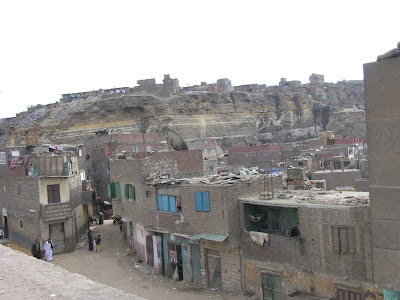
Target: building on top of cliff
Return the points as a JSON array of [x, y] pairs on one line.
[[250, 88], [316, 79], [171, 86], [222, 85]]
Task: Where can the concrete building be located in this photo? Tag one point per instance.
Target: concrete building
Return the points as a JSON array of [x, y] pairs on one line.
[[309, 245], [382, 103], [43, 196]]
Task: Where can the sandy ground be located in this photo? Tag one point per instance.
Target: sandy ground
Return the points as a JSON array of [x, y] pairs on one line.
[[113, 267], [25, 277]]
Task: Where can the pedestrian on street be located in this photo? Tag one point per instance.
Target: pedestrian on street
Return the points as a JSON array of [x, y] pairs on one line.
[[36, 249], [98, 240], [90, 240], [101, 218], [48, 250], [120, 225]]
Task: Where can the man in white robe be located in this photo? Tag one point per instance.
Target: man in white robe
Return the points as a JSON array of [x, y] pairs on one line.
[[48, 250]]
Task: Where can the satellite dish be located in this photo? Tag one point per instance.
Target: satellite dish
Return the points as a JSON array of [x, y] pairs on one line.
[[174, 140]]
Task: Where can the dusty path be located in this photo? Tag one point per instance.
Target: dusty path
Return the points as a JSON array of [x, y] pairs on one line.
[[114, 268]]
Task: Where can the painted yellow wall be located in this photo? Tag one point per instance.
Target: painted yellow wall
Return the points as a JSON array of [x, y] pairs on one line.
[[64, 189]]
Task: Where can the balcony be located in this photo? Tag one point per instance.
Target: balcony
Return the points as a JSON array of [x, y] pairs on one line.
[[56, 211]]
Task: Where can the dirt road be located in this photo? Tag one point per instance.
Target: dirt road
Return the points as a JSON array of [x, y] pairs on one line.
[[114, 268]]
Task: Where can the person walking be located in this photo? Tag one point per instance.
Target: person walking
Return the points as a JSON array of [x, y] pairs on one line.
[[101, 218], [90, 240], [98, 240], [48, 250], [36, 249]]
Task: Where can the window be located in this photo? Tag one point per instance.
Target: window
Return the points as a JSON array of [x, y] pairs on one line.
[[202, 200], [265, 154], [114, 190], [169, 203], [135, 149], [21, 224], [274, 222], [148, 194], [247, 155], [53, 193], [15, 153], [271, 286], [343, 239], [148, 148], [348, 295], [2, 158], [19, 191], [130, 191]]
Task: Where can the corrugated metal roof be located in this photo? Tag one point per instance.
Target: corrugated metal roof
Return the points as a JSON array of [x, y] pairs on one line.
[[209, 237]]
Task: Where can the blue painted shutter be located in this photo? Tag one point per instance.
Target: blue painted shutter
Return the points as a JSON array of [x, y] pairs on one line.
[[206, 201], [172, 204], [159, 203], [199, 202], [164, 203]]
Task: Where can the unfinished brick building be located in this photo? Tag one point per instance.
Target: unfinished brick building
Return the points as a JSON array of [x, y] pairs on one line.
[[303, 242], [42, 197], [189, 225]]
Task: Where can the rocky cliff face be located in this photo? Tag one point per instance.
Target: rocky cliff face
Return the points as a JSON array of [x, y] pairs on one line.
[[233, 118]]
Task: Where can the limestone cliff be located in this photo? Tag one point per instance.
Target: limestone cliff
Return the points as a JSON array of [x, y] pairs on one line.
[[233, 118]]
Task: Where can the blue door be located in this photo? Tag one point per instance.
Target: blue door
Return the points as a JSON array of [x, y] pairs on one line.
[[196, 268]]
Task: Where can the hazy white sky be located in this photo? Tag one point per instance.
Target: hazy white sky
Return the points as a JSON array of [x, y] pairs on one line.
[[48, 48]]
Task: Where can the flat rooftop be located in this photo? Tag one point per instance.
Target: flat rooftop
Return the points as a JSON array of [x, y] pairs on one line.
[[297, 198]]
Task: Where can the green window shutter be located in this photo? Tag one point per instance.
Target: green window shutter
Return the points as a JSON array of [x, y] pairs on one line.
[[133, 193], [117, 190], [126, 191]]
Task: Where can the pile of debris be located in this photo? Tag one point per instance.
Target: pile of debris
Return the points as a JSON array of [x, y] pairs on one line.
[[161, 178]]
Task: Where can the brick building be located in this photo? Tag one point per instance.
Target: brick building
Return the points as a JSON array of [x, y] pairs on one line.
[[259, 155], [316, 244], [99, 149], [188, 226], [42, 197], [382, 91]]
